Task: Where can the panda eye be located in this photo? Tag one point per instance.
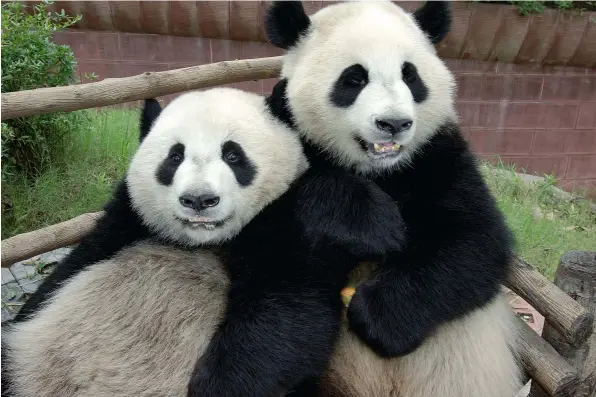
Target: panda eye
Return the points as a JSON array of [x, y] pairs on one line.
[[354, 76], [232, 157], [176, 158], [356, 81], [409, 72]]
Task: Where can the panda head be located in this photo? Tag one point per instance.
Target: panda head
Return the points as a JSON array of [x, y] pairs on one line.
[[363, 80], [208, 163]]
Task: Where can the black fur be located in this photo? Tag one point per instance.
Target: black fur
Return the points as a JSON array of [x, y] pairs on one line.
[[244, 169], [348, 86], [457, 246], [285, 22], [279, 105], [414, 82], [434, 18], [168, 167], [287, 268], [151, 110]]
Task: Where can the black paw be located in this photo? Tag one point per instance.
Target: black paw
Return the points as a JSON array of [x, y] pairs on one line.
[[373, 318]]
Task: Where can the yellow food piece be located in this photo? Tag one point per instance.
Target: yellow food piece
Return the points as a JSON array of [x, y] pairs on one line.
[[346, 295]]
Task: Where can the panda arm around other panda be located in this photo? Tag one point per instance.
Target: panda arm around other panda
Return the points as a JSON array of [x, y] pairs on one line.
[[287, 268], [457, 254]]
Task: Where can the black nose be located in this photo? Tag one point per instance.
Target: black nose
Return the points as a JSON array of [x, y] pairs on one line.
[[393, 126], [199, 203], [206, 201]]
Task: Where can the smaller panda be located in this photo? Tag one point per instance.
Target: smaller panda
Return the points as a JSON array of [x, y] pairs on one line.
[[164, 315]]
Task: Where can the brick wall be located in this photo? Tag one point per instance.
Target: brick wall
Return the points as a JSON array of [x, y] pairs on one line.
[[540, 118]]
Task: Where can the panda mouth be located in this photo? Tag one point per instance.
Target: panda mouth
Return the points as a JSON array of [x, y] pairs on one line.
[[205, 223], [380, 149]]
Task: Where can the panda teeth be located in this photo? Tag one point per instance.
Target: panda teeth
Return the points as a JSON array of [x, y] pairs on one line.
[[209, 226], [378, 148]]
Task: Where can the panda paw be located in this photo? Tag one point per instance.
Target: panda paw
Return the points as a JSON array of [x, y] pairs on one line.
[[372, 317]]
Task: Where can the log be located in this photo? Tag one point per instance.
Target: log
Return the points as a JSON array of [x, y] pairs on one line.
[[576, 275], [543, 364], [27, 245], [570, 318], [126, 89]]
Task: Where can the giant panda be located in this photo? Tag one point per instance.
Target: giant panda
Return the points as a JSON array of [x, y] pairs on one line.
[[260, 311], [363, 85]]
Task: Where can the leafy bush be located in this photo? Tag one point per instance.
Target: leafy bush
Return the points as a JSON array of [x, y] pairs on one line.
[[31, 60]]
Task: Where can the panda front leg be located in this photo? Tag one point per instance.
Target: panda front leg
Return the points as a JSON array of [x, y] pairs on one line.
[[268, 343], [453, 264]]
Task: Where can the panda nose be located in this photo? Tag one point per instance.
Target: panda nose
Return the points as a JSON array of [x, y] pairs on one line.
[[393, 126], [199, 203]]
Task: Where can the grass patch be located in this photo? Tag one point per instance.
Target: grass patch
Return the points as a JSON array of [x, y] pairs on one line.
[[81, 177], [544, 225], [92, 159]]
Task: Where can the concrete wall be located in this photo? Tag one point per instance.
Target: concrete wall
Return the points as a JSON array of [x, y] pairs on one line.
[[541, 118]]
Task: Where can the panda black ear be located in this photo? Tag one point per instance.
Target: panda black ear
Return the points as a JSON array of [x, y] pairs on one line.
[[151, 110], [434, 18], [285, 22]]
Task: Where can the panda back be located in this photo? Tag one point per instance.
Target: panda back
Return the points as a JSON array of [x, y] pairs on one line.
[[133, 325]]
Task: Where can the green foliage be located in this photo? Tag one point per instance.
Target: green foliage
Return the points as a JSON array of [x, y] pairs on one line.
[[526, 7], [31, 60], [529, 7], [80, 178], [544, 224]]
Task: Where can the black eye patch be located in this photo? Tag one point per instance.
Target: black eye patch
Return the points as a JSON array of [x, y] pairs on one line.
[[410, 76], [167, 169], [235, 157], [348, 86]]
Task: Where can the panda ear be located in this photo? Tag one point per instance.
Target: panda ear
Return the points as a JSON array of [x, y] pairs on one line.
[[285, 22], [434, 18], [151, 110]]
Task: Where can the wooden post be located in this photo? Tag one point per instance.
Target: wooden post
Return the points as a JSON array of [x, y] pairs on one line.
[[27, 245], [576, 275], [568, 316]]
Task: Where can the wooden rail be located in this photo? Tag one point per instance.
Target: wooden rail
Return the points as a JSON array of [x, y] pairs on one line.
[[147, 85], [27, 245]]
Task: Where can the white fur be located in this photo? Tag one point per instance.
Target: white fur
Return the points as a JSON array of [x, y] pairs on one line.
[[381, 37], [203, 122], [470, 357], [135, 325], [130, 326]]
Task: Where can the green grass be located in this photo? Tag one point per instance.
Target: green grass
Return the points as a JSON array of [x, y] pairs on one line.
[[81, 178], [544, 225], [94, 158]]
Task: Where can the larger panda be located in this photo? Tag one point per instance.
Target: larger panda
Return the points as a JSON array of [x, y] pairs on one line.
[[363, 85], [262, 312]]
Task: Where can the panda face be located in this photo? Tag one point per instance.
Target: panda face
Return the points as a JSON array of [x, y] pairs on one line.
[[365, 84], [210, 162]]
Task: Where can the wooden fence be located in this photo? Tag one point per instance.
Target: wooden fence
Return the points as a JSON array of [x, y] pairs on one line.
[[569, 322]]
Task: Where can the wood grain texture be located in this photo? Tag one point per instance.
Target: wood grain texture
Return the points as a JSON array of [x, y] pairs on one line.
[[566, 315], [147, 85], [27, 245], [544, 365], [576, 275]]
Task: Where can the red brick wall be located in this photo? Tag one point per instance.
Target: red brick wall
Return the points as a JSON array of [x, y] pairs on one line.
[[541, 118]]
